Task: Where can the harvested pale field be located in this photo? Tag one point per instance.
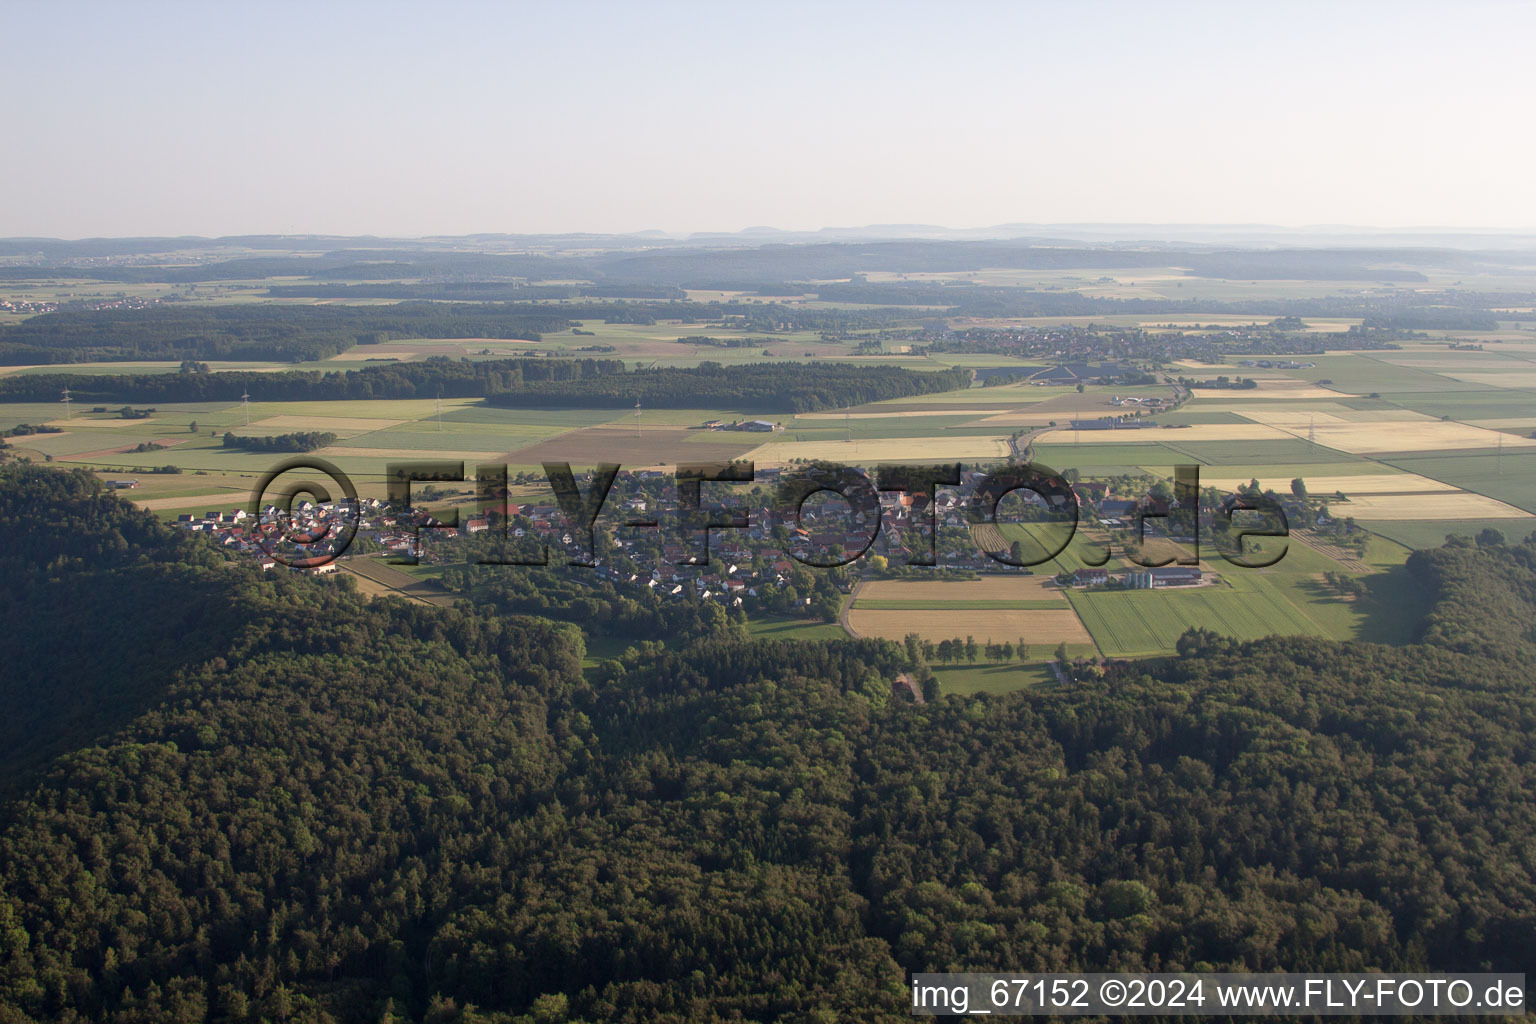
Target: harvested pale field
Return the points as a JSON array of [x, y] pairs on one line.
[[1506, 423], [985, 588], [1249, 409], [405, 454], [1294, 415], [1500, 379], [1440, 507], [1351, 484], [1268, 390], [368, 353], [1292, 418], [1405, 432], [1376, 415], [373, 588], [220, 499], [1465, 362], [1172, 435], [335, 424], [882, 449], [1424, 435], [1034, 625], [897, 415]]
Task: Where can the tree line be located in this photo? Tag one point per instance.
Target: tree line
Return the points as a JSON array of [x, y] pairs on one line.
[[266, 332], [300, 441], [790, 387], [515, 383]]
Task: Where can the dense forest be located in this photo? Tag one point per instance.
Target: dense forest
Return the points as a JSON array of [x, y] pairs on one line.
[[768, 387], [76, 333], [237, 796], [520, 383], [477, 291], [451, 378], [252, 331]]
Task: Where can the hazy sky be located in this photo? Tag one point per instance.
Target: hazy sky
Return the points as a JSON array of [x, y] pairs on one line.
[[144, 118]]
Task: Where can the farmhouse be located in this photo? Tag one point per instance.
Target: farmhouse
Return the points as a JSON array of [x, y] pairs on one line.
[[1090, 577]]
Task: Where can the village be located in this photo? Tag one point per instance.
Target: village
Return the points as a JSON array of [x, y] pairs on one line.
[[640, 542]]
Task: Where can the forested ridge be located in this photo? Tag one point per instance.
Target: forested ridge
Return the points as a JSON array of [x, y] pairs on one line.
[[238, 796], [569, 383], [250, 331], [450, 378], [787, 387], [77, 333]]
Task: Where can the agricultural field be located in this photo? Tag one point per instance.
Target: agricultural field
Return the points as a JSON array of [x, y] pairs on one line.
[[1366, 478], [1439, 506], [1471, 406], [1364, 373], [1375, 435], [1510, 478], [1137, 623], [1176, 435], [1289, 598], [992, 609], [883, 449], [984, 677], [377, 578], [1422, 534], [1422, 440]]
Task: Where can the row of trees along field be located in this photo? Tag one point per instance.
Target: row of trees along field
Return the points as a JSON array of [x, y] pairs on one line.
[[299, 441], [516, 383], [237, 796]]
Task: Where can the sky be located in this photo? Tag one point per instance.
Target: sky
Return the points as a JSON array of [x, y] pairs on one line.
[[456, 118]]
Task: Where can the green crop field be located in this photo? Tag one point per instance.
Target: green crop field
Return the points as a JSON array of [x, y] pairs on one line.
[[1039, 539], [992, 678], [1422, 535], [1290, 598], [1466, 405], [1238, 454], [1362, 375], [1137, 623], [779, 628], [569, 418], [895, 605], [1509, 477]]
